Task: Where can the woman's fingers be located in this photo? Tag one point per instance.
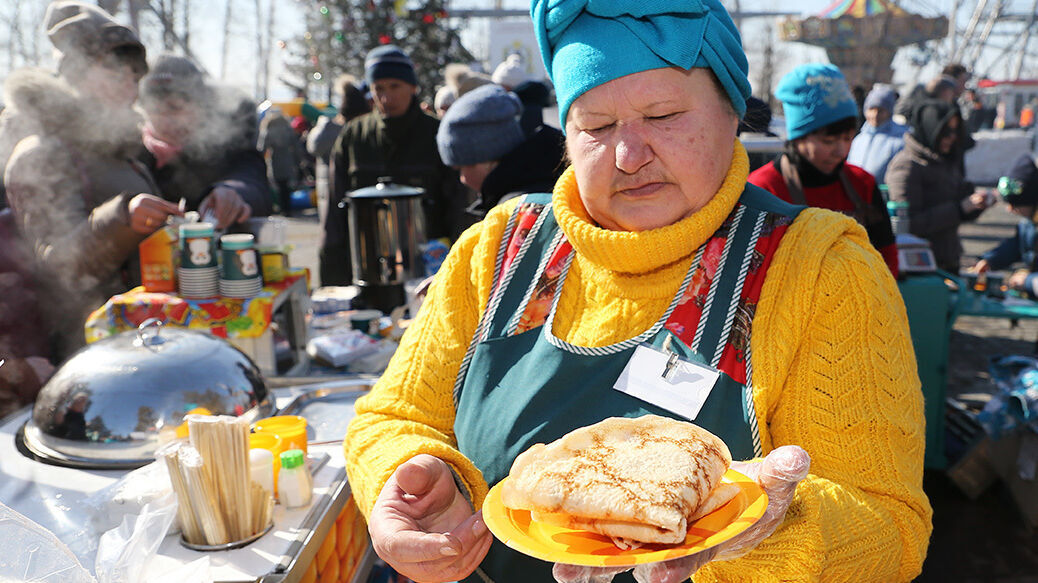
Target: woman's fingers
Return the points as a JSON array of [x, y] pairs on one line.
[[564, 573], [674, 570], [418, 475], [783, 469], [148, 212], [423, 527], [437, 557]]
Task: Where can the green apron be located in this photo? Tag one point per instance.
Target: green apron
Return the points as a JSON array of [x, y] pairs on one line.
[[518, 389]]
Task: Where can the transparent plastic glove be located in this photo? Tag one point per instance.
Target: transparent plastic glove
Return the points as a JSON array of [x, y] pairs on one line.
[[778, 475]]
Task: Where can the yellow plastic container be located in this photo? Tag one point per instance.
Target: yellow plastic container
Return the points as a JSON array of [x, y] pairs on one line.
[[272, 443], [290, 428]]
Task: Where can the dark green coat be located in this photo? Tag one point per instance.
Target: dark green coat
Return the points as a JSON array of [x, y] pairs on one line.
[[403, 148]]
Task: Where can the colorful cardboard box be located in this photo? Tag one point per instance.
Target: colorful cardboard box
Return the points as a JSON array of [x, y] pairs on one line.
[[158, 256]]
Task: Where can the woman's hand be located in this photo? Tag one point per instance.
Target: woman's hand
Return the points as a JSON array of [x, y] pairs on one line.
[[981, 266], [1018, 279], [778, 475], [148, 212], [227, 205], [422, 525]]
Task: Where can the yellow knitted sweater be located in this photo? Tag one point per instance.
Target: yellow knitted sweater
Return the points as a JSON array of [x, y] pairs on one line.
[[833, 372]]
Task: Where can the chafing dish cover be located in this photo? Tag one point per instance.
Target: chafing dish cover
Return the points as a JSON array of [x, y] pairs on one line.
[[113, 403]]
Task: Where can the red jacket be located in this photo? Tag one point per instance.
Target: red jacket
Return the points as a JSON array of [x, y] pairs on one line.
[[831, 196]]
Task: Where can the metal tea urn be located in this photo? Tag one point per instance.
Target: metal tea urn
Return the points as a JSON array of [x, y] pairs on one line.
[[387, 231]]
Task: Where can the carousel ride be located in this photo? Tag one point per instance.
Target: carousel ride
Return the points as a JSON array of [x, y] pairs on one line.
[[861, 37]]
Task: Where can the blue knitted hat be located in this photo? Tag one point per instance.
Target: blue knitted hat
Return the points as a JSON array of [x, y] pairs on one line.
[[388, 62], [814, 96], [585, 43], [482, 125]]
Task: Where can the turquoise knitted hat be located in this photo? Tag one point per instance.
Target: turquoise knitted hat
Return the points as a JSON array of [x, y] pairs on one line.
[[585, 43], [814, 96]]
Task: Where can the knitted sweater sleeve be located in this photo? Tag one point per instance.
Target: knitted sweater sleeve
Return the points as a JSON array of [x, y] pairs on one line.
[[835, 372], [411, 408]]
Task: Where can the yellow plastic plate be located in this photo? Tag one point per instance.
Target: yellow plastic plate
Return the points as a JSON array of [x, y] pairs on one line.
[[556, 544]]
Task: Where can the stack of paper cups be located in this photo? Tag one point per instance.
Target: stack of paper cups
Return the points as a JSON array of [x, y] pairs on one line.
[[198, 275], [239, 269]]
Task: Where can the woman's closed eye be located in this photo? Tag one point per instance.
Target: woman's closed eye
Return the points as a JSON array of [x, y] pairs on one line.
[[664, 117]]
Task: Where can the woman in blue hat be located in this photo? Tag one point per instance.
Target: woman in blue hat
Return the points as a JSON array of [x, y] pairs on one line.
[[652, 243], [821, 122]]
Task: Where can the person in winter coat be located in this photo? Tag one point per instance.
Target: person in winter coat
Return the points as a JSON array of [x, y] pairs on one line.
[[397, 140], [280, 143], [927, 175], [331, 255], [200, 143], [81, 202], [482, 138], [880, 136], [821, 121], [1019, 189]]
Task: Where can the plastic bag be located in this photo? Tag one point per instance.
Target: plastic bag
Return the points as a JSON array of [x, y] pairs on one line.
[[123, 552], [128, 496], [1015, 405], [33, 553]]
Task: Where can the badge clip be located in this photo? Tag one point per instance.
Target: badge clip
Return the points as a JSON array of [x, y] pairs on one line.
[[672, 360]]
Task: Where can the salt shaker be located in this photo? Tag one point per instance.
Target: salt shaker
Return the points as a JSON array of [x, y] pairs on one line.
[[295, 485]]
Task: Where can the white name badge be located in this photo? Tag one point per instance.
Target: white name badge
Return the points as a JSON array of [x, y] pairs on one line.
[[681, 391]]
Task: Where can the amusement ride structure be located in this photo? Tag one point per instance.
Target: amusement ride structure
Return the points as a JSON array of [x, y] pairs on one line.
[[862, 36]]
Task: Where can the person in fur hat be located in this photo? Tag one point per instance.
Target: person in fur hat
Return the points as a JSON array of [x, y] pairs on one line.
[[200, 143], [79, 200]]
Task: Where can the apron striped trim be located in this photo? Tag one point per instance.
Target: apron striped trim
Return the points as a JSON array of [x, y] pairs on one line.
[[744, 268], [513, 322], [708, 305], [483, 329], [751, 408], [630, 342], [499, 294]]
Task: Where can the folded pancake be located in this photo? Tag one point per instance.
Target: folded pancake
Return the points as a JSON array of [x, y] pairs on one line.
[[635, 480]]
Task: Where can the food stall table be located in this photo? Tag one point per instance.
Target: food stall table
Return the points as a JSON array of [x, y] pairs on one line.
[[250, 324], [58, 499], [1011, 308]]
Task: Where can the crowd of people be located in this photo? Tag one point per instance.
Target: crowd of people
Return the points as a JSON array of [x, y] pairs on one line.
[[635, 223], [97, 154]]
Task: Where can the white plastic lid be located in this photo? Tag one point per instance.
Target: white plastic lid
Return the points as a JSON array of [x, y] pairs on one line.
[[260, 457]]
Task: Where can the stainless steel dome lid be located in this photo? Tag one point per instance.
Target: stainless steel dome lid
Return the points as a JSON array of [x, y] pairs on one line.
[[113, 403]]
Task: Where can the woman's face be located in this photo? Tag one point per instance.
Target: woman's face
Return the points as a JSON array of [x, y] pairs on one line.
[[173, 118], [825, 152], [651, 148], [113, 84], [949, 135]]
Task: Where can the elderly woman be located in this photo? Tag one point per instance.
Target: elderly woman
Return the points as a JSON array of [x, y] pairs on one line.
[[927, 175], [821, 122], [653, 233]]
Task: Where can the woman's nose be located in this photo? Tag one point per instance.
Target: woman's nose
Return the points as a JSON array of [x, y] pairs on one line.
[[632, 150]]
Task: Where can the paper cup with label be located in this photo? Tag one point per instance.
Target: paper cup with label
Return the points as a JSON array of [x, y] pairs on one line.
[[240, 262], [197, 249]]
